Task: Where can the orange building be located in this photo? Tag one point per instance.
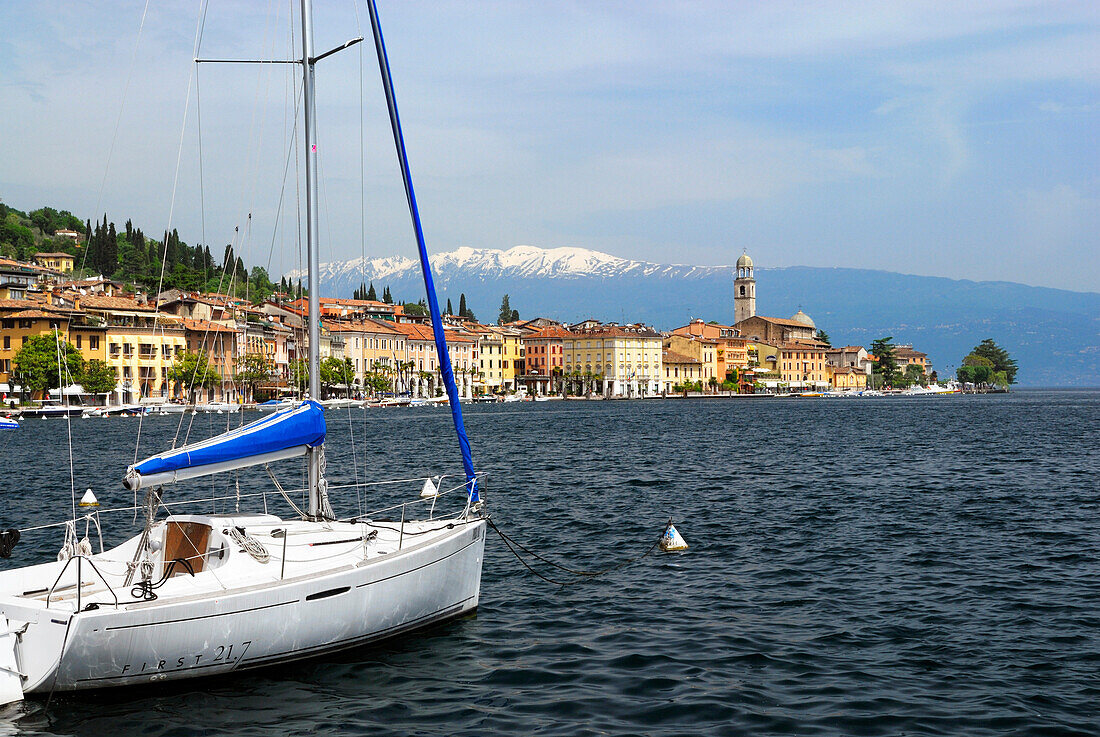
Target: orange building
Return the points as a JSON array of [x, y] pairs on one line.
[[545, 358]]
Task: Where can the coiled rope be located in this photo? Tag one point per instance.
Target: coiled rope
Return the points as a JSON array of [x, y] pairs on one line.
[[146, 590], [512, 545]]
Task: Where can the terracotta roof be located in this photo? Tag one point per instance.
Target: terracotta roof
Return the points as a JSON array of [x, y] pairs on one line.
[[550, 332], [54, 255], [780, 321], [101, 302], [363, 326], [416, 331], [26, 314], [19, 304], [673, 357], [204, 326]]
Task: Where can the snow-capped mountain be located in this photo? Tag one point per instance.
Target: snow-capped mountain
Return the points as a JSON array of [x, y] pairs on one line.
[[528, 262], [1041, 327]]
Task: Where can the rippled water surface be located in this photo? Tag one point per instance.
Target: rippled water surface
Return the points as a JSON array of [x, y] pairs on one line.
[[924, 566]]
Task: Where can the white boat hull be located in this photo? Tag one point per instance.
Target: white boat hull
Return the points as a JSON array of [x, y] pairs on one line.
[[247, 627]]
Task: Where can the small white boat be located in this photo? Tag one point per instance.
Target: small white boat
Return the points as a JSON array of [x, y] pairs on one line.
[[342, 404], [6, 423], [217, 408]]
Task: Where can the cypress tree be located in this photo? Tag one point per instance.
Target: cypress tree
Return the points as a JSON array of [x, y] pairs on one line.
[[110, 252], [449, 310], [462, 311], [386, 296], [371, 294]]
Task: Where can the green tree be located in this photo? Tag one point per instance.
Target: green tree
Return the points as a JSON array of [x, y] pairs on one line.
[[914, 374], [260, 286], [46, 219], [999, 358], [886, 365], [976, 370], [505, 311], [371, 294], [823, 337], [44, 360], [415, 308], [386, 296], [450, 310], [335, 372], [463, 310], [16, 240], [98, 378], [252, 370], [193, 371]]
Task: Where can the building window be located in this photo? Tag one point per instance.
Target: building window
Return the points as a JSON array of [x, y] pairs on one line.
[[93, 342]]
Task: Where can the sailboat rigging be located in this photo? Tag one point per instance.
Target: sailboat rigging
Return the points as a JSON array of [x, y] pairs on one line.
[[202, 594]]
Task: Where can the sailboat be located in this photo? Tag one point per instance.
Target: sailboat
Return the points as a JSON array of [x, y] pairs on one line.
[[200, 594]]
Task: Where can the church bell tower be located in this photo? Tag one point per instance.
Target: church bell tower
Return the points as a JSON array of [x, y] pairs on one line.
[[744, 290]]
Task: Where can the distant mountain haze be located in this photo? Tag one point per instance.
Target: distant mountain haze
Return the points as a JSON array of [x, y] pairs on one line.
[[1054, 334]]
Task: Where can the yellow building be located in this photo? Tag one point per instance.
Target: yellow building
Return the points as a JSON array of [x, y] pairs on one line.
[[703, 350], [62, 262], [141, 355], [680, 369], [511, 359], [802, 366], [376, 345], [626, 358], [18, 325], [846, 377], [762, 355], [490, 358]]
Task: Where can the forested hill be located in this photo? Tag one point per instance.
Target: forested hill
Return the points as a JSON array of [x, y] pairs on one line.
[[128, 255]]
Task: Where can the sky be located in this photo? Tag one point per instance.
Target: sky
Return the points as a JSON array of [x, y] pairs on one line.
[[940, 138]]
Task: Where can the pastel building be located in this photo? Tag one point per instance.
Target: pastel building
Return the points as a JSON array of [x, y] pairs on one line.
[[625, 358]]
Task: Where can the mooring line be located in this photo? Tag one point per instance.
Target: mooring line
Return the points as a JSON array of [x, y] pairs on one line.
[[510, 542]]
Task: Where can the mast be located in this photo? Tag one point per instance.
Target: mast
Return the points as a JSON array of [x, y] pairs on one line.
[[313, 314]]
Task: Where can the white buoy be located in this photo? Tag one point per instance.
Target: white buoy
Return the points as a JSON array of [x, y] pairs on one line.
[[672, 540], [89, 500], [430, 489]]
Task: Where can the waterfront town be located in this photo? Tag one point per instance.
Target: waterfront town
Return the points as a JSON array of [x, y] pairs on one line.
[[179, 346]]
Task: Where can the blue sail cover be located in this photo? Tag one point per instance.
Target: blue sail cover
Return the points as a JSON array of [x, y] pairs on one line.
[[433, 302], [284, 434]]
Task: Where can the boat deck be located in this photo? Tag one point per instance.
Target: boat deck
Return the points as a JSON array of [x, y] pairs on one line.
[[241, 552]]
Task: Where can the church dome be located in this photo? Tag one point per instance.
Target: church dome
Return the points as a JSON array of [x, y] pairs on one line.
[[744, 262], [802, 317]]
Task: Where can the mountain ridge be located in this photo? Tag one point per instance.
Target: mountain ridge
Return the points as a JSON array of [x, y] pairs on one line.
[[1053, 333]]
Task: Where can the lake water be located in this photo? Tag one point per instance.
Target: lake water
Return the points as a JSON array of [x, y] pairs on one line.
[[920, 566]]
